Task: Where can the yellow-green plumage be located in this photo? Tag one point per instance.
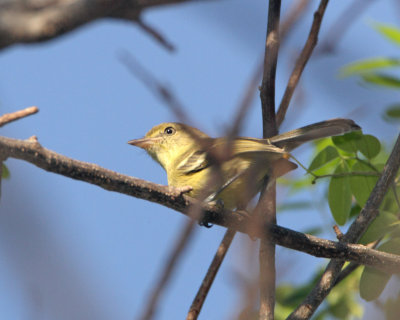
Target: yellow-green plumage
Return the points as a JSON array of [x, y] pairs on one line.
[[192, 158]]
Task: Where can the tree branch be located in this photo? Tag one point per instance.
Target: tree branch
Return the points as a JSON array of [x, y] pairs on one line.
[[301, 61], [370, 211], [266, 211], [28, 22], [294, 13], [267, 93], [31, 151]]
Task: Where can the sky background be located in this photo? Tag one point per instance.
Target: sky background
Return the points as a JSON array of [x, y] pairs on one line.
[[70, 250]]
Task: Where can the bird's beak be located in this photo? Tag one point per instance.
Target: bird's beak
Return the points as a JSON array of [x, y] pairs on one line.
[[144, 143]]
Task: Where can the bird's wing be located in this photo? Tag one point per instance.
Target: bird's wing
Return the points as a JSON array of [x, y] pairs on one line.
[[194, 162], [242, 146], [252, 148]]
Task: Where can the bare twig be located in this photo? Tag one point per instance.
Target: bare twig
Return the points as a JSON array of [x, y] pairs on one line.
[[195, 213], [301, 61], [339, 234], [158, 89], [9, 117], [156, 35], [291, 18], [357, 228], [245, 103], [211, 273], [31, 151], [181, 244], [342, 25]]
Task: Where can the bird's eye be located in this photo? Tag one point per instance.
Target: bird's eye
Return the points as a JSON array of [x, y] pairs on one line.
[[169, 131]]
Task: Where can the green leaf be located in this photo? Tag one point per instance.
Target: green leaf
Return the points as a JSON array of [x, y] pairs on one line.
[[389, 32], [361, 186], [392, 113], [383, 80], [347, 142], [355, 210], [323, 157], [368, 65], [339, 195], [372, 281], [369, 146], [5, 173]]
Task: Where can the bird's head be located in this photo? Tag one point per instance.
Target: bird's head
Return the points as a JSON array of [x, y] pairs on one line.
[[168, 142]]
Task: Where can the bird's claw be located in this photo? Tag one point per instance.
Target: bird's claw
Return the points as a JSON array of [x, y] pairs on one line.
[[204, 223], [219, 203]]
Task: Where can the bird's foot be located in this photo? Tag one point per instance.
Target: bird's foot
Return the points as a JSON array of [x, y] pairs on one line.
[[219, 204]]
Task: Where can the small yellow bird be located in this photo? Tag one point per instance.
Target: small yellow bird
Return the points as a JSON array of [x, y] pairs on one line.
[[231, 170]]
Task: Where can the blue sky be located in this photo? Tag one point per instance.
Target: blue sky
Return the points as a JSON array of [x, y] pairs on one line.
[[70, 250]]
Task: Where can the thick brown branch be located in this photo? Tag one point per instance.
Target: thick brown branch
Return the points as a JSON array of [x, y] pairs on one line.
[[301, 61], [267, 202], [26, 22], [267, 93], [31, 151], [10, 117], [370, 211]]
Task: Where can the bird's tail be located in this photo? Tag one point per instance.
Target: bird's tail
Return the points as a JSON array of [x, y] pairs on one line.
[[292, 139]]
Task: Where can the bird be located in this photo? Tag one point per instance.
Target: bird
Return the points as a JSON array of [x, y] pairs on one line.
[[230, 170]]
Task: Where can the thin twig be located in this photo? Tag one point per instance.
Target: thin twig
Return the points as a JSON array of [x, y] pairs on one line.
[[155, 34], [245, 103], [301, 62], [371, 209], [156, 87], [291, 18], [170, 266], [9, 117], [339, 28], [211, 273], [31, 151], [196, 214]]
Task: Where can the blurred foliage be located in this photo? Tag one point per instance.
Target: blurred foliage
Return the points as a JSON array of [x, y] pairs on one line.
[[380, 71], [373, 281], [5, 173], [392, 308], [350, 166], [342, 303]]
